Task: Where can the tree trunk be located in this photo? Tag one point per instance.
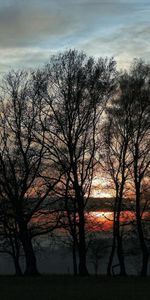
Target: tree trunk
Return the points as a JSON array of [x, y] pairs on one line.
[[111, 257], [31, 265], [112, 253], [121, 256], [145, 253], [144, 249], [96, 263], [120, 253], [145, 260], [82, 246], [30, 259], [82, 243], [18, 270], [74, 259], [15, 254]]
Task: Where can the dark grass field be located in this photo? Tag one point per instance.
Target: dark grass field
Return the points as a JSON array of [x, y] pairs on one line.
[[59, 287]]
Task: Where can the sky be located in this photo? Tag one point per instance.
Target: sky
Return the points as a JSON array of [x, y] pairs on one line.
[[32, 30]]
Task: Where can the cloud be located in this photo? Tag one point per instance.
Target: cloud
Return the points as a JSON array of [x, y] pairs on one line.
[[16, 58], [32, 29], [23, 23], [127, 43], [31, 25]]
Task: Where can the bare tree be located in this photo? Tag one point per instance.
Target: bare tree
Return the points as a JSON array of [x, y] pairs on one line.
[[22, 163], [136, 90], [116, 162], [74, 89], [9, 239]]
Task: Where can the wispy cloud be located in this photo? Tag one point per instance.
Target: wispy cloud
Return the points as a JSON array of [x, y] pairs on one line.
[[125, 44], [33, 29]]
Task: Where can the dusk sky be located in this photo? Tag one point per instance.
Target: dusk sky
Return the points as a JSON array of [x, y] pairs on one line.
[[32, 30]]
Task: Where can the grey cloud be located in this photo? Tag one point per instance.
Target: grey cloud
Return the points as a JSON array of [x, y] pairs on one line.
[[20, 27], [28, 28], [31, 22], [127, 43], [16, 58]]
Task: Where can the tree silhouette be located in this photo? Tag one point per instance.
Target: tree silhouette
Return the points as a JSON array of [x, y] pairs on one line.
[[74, 90]]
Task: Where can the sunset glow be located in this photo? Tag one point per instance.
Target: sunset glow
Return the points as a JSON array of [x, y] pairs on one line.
[[100, 188]]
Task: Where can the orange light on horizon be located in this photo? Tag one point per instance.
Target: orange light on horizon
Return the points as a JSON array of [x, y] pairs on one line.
[[100, 188]]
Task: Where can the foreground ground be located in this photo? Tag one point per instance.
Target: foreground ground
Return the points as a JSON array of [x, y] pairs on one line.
[[70, 288]]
